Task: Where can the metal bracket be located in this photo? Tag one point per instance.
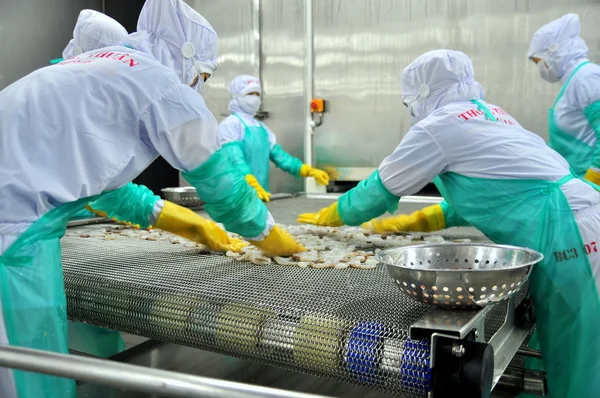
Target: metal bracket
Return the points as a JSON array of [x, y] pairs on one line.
[[507, 341], [458, 324]]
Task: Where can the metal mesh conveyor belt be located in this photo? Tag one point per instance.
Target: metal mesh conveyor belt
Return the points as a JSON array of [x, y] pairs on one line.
[[351, 325]]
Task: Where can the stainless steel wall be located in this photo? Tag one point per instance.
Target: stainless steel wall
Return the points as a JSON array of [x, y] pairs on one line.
[[279, 54], [361, 47], [32, 32]]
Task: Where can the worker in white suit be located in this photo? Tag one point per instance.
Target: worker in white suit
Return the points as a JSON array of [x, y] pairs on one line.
[[119, 108], [252, 145], [506, 182], [561, 56]]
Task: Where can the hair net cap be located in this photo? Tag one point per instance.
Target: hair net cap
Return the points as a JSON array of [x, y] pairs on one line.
[[438, 78], [558, 42], [244, 84], [178, 37], [94, 30], [239, 87]]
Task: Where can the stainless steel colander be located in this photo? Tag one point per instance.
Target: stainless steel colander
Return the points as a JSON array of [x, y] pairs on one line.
[[459, 275], [184, 196]]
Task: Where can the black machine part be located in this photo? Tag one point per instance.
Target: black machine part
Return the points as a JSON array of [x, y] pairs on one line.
[[462, 368]]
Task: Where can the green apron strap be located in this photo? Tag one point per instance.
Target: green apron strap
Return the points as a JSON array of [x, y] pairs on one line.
[[564, 87], [485, 110], [241, 120], [559, 183]]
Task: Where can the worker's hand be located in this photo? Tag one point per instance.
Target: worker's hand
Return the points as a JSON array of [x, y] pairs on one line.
[[332, 172], [428, 219], [593, 176], [279, 243], [103, 214], [327, 217], [319, 175], [184, 222], [260, 191]]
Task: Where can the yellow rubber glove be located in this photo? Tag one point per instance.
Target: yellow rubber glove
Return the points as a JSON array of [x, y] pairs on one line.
[[428, 219], [319, 175], [103, 214], [279, 243], [593, 176], [260, 191], [327, 217], [184, 222]]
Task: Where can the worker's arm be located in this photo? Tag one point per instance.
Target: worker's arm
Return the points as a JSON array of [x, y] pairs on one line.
[[592, 113], [293, 165], [584, 92], [138, 206], [231, 134], [414, 163], [131, 204], [429, 219], [185, 133]]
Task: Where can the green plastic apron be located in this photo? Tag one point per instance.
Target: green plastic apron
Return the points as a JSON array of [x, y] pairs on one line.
[[578, 154], [257, 150], [34, 302], [536, 214]]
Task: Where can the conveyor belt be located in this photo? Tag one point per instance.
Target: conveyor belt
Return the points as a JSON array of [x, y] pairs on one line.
[[351, 325]]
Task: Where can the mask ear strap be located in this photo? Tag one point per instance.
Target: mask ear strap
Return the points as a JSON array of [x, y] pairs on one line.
[[77, 51], [188, 50]]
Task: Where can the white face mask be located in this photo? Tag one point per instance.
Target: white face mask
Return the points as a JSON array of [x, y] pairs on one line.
[[411, 105], [249, 104], [546, 72]]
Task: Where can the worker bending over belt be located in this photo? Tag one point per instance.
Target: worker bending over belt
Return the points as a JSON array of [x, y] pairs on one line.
[[574, 119], [119, 109], [506, 182], [251, 144]]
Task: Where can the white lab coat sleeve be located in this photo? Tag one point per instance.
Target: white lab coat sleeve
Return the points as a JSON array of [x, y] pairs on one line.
[[181, 128], [231, 129], [414, 163]]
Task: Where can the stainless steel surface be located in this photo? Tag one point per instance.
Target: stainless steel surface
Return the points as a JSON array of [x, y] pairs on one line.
[[184, 196], [361, 47], [283, 60], [459, 275], [452, 323], [34, 32], [131, 377], [309, 65], [506, 342]]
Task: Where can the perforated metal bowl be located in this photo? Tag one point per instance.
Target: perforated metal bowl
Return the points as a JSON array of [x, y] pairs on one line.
[[184, 196], [459, 275]]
